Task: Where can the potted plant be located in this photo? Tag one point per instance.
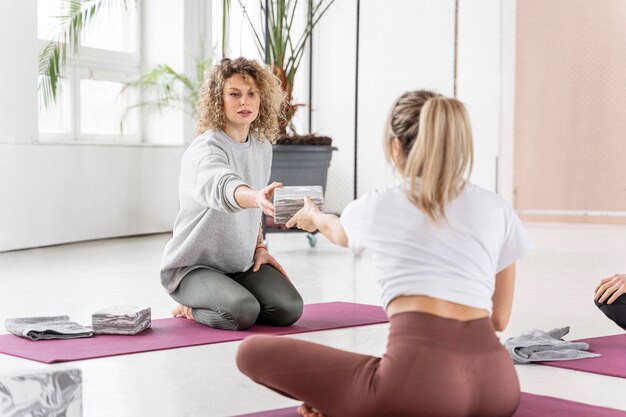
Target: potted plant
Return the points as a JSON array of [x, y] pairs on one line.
[[283, 47]]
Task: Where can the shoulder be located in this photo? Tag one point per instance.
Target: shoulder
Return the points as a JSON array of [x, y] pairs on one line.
[[212, 140], [205, 145], [479, 195], [486, 205], [374, 199], [204, 140]]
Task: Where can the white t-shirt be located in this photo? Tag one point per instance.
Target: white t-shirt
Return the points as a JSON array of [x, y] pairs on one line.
[[454, 260]]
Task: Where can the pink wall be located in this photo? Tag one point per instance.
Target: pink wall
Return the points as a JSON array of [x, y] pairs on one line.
[[570, 117]]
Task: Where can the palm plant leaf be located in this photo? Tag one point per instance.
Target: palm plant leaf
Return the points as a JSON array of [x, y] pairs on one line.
[[169, 88], [258, 41], [76, 15]]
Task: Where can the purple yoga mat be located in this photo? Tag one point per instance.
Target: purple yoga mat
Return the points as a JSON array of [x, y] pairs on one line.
[[179, 332], [530, 406], [611, 363]]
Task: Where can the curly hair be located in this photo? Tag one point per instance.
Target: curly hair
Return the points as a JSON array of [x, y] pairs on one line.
[[210, 105]]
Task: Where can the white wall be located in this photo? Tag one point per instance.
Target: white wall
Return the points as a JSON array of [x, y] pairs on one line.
[[507, 103], [65, 193], [52, 194], [404, 45], [479, 82], [333, 96], [18, 81], [163, 43]]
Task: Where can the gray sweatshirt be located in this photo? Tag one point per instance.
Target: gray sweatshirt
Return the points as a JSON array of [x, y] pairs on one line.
[[211, 229]]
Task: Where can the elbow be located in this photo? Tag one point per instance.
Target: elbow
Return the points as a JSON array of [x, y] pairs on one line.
[[499, 324], [339, 238], [499, 327], [342, 240]]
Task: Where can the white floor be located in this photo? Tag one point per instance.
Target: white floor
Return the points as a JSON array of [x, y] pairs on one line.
[[554, 289]]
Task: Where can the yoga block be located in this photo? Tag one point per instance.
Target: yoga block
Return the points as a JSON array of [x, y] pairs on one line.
[[121, 320], [288, 200], [50, 394]]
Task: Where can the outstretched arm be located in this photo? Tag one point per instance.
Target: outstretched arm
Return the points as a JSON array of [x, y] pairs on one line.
[[311, 218], [249, 198]]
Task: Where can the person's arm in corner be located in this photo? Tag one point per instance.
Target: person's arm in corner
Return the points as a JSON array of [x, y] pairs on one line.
[[610, 289], [503, 298], [311, 218]]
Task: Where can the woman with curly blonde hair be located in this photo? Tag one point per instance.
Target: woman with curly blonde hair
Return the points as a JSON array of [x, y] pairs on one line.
[[215, 265]]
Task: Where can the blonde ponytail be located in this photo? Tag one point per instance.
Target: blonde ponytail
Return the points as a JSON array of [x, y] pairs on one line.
[[439, 157]]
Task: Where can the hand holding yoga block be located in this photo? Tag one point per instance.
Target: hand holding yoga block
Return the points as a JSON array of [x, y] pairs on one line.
[[288, 200], [121, 320]]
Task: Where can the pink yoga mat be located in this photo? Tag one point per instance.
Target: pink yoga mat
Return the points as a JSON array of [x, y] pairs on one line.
[[530, 406], [179, 332], [611, 363]]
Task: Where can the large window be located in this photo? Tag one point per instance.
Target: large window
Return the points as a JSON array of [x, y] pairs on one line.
[[91, 105]]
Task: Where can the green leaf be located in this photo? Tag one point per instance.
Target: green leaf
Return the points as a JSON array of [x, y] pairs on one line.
[[284, 53], [76, 16]]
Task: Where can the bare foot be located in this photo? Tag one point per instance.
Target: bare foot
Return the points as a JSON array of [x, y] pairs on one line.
[[306, 410], [182, 311]]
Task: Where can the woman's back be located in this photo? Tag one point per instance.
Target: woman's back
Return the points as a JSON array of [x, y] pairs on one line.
[[455, 259]]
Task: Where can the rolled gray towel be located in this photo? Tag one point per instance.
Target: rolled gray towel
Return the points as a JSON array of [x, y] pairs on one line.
[[44, 328], [538, 346]]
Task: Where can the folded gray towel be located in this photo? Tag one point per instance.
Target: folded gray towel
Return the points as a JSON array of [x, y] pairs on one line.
[[537, 345], [43, 328]]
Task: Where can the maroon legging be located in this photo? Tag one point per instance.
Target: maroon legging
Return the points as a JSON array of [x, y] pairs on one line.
[[433, 367]]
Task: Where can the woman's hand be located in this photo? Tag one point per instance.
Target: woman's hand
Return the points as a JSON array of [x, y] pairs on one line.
[[264, 197], [262, 256], [305, 218], [611, 288]]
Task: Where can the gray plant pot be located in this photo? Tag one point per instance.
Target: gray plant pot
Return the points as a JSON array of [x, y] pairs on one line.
[[301, 164]]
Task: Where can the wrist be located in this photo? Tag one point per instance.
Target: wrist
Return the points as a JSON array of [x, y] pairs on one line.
[[260, 247], [245, 196], [317, 217]]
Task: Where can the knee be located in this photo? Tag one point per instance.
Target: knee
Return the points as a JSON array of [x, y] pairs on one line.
[[243, 312], [605, 307], [251, 354], [288, 311]]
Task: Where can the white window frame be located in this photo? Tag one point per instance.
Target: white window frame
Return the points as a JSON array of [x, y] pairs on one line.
[[98, 64]]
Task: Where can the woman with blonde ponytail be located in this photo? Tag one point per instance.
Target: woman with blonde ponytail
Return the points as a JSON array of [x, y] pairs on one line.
[[444, 254]]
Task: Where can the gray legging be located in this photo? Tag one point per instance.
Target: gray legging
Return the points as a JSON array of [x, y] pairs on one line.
[[236, 301]]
